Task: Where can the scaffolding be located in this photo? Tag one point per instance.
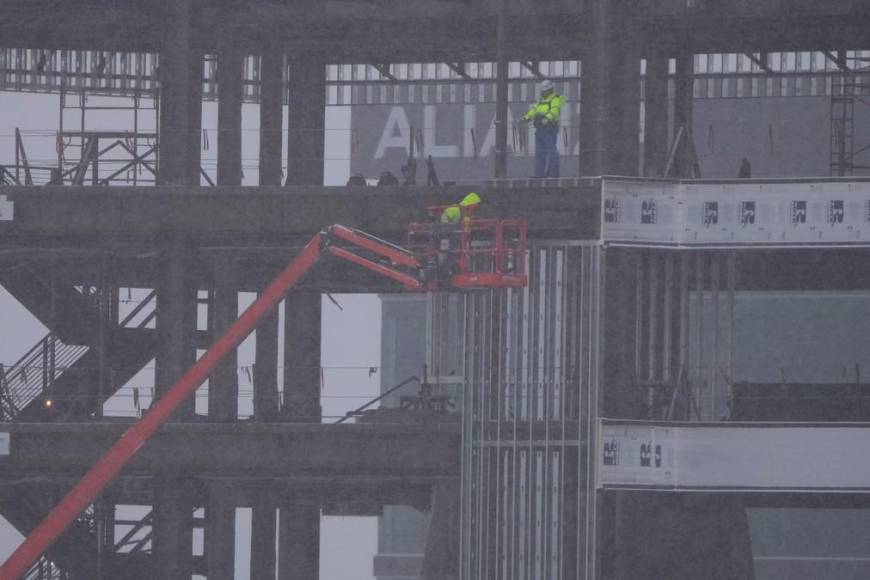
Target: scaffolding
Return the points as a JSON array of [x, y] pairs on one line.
[[530, 383]]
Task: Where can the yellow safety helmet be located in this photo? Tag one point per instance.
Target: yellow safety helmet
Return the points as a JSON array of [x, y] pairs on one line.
[[469, 200]]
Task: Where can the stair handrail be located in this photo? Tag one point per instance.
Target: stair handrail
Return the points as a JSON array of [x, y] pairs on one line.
[[145, 302], [358, 410], [29, 371]]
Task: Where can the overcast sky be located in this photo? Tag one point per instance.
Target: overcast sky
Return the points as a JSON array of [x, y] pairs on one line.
[[351, 335]]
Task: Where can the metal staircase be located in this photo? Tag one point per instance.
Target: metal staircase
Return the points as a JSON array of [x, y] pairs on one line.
[[56, 380], [65, 377]]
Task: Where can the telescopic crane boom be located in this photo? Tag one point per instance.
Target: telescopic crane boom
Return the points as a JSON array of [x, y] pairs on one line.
[[377, 255]]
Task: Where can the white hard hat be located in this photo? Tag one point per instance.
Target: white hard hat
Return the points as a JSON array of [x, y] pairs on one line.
[[546, 85]]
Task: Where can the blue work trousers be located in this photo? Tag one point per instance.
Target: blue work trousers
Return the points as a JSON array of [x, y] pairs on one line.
[[547, 156]]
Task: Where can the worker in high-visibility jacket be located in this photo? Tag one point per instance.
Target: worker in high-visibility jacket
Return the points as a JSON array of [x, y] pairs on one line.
[[454, 239], [545, 116], [462, 211]]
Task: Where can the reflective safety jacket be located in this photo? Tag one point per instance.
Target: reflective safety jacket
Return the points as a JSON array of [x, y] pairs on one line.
[[548, 107], [453, 214]]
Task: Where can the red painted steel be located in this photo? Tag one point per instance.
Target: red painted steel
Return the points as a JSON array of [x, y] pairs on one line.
[[398, 256], [111, 463], [407, 280]]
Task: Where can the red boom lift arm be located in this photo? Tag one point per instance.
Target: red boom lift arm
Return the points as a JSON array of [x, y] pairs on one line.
[[377, 255]]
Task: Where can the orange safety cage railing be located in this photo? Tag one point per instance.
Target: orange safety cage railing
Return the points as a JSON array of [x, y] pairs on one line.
[[480, 253]]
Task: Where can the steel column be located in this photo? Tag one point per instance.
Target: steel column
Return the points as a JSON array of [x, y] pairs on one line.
[[180, 97], [306, 121], [229, 78], [299, 527], [266, 399], [684, 157], [220, 532], [501, 92], [223, 385], [655, 142], [299, 543], [302, 357], [610, 93], [173, 549], [263, 534], [176, 321], [271, 116], [594, 116]]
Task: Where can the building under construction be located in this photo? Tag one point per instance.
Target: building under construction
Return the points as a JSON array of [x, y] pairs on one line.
[[675, 391]]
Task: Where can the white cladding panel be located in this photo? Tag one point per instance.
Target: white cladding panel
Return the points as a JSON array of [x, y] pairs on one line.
[[7, 209], [766, 457], [739, 213]]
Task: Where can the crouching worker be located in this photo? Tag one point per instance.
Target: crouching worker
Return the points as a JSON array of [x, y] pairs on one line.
[[454, 222]]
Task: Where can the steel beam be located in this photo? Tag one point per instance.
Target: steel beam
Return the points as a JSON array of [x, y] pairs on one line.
[[299, 452]]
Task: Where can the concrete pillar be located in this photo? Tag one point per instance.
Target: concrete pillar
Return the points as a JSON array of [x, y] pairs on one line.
[[609, 118], [271, 116], [266, 369], [172, 540], [655, 144], [306, 122], [223, 385], [263, 530], [441, 559], [299, 543], [229, 77], [302, 357], [176, 322], [180, 97], [220, 532]]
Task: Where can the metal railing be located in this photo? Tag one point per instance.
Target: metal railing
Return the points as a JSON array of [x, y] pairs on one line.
[[36, 372]]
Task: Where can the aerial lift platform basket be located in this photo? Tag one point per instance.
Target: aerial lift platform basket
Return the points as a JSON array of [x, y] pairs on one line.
[[486, 254], [475, 253]]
